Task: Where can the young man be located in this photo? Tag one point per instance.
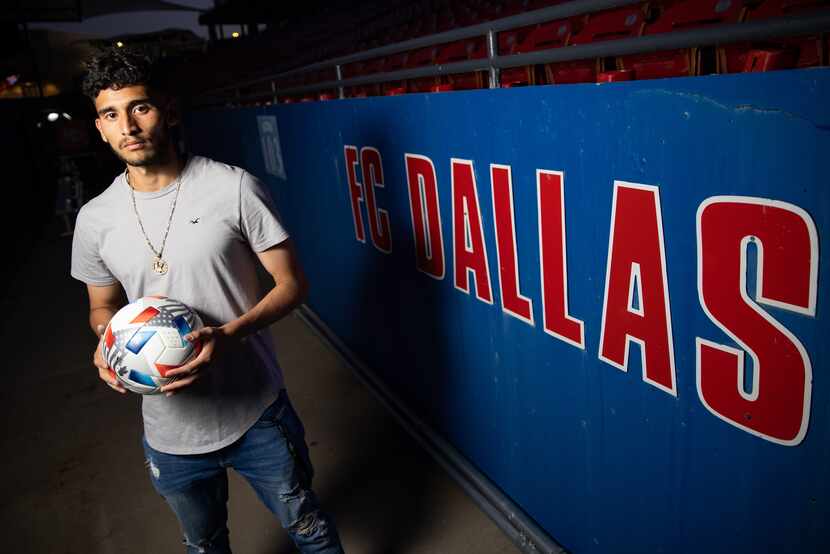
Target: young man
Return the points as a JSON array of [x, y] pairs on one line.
[[193, 229]]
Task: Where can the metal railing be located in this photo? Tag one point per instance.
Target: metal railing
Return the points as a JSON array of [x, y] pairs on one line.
[[810, 23]]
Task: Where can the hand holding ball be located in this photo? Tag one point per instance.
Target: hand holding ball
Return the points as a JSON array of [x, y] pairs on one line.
[[145, 340]]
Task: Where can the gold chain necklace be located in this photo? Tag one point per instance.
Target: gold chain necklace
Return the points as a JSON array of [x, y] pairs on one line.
[[159, 265]]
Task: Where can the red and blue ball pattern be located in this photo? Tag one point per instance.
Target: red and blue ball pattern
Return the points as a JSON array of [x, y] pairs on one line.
[[145, 340]]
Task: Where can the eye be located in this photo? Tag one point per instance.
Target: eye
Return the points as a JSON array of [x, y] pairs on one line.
[[109, 115], [142, 108]]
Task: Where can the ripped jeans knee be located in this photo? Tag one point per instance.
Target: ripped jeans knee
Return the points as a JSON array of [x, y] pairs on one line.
[[216, 544], [308, 524], [310, 528]]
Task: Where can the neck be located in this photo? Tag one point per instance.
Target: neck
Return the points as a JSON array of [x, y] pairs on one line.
[[156, 177]]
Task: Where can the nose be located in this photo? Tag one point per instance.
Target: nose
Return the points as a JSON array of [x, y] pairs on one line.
[[128, 125]]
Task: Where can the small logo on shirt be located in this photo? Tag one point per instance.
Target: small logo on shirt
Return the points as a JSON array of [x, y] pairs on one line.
[[195, 221]]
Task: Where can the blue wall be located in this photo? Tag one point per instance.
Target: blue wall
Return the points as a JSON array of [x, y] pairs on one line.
[[602, 460]]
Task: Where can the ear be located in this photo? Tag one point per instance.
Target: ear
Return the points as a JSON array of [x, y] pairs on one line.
[[98, 126]]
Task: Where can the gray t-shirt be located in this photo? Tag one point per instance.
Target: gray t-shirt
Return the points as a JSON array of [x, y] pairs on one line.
[[223, 216]]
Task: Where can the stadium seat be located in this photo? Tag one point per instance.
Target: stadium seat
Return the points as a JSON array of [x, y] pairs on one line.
[[778, 8], [553, 34], [394, 62], [613, 24], [441, 87], [468, 49], [779, 53], [675, 15], [358, 69], [614, 76], [420, 58]]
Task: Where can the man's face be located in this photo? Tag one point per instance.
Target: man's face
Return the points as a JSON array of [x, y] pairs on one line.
[[134, 124]]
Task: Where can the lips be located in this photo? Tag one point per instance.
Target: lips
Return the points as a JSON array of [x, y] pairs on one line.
[[134, 145]]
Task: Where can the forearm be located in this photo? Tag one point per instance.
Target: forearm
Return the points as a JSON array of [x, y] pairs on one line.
[[275, 305], [100, 316]]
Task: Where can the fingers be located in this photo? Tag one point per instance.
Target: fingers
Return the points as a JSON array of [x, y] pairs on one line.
[[203, 357], [193, 365], [171, 388], [108, 376], [189, 372], [204, 333]]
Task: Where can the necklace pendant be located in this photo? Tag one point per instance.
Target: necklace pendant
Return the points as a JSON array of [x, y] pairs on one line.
[[160, 266]]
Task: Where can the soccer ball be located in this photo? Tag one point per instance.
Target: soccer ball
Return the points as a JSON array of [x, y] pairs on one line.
[[145, 339]]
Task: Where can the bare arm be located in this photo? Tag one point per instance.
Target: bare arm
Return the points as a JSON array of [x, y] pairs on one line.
[[289, 291], [103, 303]]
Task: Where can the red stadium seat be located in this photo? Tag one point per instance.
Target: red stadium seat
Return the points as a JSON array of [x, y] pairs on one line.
[[614, 76], [768, 59], [461, 50], [778, 53], [359, 69], [441, 88], [419, 58], [687, 14], [553, 34], [394, 62], [778, 8], [610, 24], [674, 15], [509, 40]]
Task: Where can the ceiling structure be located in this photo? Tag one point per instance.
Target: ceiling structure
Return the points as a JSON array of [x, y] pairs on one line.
[[30, 11]]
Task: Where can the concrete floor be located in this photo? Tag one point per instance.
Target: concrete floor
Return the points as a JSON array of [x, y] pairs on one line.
[[73, 474]]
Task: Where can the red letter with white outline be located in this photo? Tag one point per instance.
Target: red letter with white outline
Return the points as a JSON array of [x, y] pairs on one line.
[[379, 227], [426, 215], [355, 191], [636, 258], [550, 192], [469, 252], [512, 301], [777, 406]]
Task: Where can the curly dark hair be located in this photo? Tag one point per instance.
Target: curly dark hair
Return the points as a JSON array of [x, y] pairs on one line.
[[121, 67]]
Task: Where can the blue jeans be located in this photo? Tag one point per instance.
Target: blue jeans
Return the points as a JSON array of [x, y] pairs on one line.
[[273, 457]]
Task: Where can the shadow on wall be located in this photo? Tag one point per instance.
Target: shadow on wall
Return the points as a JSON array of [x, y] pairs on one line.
[[388, 484]]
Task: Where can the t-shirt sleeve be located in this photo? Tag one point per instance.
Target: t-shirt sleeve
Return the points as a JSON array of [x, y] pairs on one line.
[[87, 265], [259, 219]]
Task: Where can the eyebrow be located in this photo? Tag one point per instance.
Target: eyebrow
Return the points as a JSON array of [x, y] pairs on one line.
[[132, 103]]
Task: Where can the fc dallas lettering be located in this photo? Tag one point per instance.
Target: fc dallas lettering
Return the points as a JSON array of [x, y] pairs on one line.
[[761, 386], [776, 404]]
